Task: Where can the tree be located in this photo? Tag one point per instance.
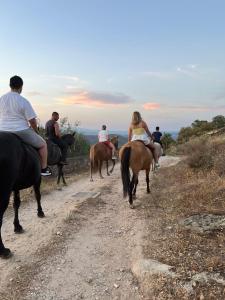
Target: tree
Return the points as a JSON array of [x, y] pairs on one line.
[[184, 134], [167, 140], [218, 121]]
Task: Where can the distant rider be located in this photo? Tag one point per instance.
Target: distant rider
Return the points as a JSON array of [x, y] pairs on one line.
[[103, 137], [53, 134], [157, 136], [16, 114]]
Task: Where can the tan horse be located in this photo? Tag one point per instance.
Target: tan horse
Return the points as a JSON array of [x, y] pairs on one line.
[[135, 156], [99, 153]]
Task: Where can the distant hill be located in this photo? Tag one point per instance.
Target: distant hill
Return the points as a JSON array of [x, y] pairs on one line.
[[92, 139], [88, 132]]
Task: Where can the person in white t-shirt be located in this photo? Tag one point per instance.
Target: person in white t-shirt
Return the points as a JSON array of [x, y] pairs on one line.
[[103, 137], [17, 116]]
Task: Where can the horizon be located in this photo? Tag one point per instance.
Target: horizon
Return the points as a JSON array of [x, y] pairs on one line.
[[98, 61]]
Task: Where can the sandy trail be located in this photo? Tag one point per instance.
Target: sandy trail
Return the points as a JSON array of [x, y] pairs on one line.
[[83, 249]]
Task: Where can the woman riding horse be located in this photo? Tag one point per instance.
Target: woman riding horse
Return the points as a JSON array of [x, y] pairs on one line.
[[138, 131]]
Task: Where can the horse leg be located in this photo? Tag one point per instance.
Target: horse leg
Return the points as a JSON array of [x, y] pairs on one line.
[[63, 178], [114, 162], [131, 191], [37, 192], [59, 174], [147, 180], [16, 205], [100, 169], [107, 168], [4, 197], [91, 170], [135, 187]]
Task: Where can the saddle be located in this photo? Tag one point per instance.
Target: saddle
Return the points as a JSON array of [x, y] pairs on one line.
[[107, 145], [147, 146]]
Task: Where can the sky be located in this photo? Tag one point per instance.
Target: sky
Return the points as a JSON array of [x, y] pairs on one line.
[[97, 61]]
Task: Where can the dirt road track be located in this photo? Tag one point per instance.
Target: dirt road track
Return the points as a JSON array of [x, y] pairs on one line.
[[83, 249]]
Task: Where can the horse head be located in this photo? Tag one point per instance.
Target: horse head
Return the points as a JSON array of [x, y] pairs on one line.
[[115, 141]]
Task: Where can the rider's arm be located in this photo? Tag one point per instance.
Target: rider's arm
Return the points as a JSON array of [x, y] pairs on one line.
[[145, 126], [129, 134], [33, 124], [57, 130]]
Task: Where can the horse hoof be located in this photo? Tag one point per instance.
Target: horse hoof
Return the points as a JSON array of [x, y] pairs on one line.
[[64, 184], [5, 253], [102, 177], [59, 188], [18, 229], [108, 174], [91, 180], [148, 192], [41, 214], [131, 206]]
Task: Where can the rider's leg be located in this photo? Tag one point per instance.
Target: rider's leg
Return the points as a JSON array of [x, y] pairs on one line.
[[43, 152], [30, 137], [152, 147], [63, 146]]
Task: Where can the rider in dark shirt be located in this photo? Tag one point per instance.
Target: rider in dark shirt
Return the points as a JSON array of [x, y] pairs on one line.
[[54, 135], [157, 136]]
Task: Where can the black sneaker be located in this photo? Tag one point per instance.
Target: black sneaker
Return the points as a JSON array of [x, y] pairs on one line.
[[46, 172]]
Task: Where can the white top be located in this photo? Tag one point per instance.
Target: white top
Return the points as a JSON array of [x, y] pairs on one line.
[[15, 112], [103, 136]]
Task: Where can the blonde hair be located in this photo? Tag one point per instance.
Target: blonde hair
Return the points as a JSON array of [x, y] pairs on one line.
[[136, 118]]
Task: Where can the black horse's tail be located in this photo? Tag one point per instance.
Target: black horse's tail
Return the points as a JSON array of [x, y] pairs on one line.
[[125, 171]]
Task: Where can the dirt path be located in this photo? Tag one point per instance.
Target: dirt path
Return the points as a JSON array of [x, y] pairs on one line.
[[83, 249]]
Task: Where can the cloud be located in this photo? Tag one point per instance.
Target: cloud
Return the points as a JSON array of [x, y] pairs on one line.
[[189, 70], [200, 108], [64, 77], [95, 99], [33, 93], [151, 106], [158, 74]]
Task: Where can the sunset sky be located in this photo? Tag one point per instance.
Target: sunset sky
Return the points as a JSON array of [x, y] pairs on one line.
[[97, 61]]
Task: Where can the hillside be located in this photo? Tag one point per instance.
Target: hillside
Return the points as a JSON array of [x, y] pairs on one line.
[[92, 139]]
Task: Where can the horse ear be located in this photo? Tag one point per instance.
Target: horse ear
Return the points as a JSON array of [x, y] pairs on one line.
[[73, 134]]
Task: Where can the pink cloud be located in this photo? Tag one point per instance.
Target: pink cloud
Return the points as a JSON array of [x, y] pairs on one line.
[[95, 99], [151, 106]]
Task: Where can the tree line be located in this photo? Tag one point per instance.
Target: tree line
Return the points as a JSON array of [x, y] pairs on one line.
[[200, 127]]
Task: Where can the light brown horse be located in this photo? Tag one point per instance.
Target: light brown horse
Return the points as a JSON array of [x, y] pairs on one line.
[[101, 152], [135, 156]]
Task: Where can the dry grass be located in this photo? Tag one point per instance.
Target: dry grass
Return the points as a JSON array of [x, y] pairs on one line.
[[179, 192]]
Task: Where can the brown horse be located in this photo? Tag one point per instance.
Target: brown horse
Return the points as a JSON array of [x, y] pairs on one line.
[[101, 152], [137, 156]]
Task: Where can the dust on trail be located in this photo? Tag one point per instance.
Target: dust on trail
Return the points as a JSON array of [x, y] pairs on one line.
[[83, 249]]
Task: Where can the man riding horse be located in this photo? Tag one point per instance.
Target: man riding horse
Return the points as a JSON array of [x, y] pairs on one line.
[[18, 116], [54, 135]]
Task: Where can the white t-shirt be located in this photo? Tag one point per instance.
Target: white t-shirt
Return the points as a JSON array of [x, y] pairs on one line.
[[103, 136], [15, 112]]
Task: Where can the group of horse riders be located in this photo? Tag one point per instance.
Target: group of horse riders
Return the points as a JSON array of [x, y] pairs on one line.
[[18, 116]]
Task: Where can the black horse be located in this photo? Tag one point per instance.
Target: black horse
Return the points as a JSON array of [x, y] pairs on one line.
[[19, 169], [54, 154]]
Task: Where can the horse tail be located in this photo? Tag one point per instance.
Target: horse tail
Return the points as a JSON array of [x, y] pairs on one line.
[[125, 171], [93, 161]]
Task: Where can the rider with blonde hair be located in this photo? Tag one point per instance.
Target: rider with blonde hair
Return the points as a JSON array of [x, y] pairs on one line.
[[138, 131]]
